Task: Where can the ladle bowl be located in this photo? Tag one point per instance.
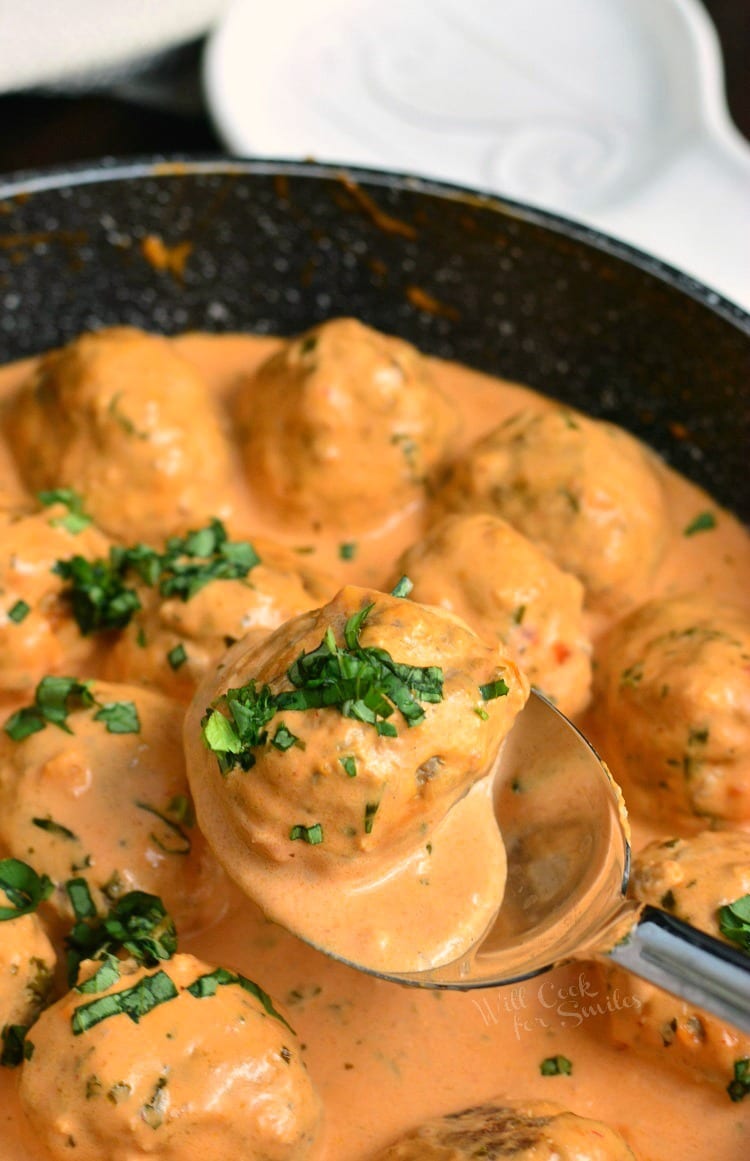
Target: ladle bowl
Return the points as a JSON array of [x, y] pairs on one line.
[[565, 828]]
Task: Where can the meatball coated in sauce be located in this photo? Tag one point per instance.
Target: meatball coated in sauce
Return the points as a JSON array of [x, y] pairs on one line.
[[414, 777], [171, 644], [672, 709], [510, 1131], [480, 568], [27, 961], [214, 1075], [341, 426], [121, 417], [42, 638], [584, 491], [334, 824], [692, 878], [113, 808]]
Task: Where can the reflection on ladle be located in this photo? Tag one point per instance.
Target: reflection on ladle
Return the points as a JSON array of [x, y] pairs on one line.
[[566, 835]]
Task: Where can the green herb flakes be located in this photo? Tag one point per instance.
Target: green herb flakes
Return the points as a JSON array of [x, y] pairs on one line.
[[120, 717], [177, 656], [739, 1088], [734, 922], [136, 923], [134, 1002], [76, 519], [16, 1048], [494, 689], [54, 699], [348, 550], [402, 588], [169, 837], [308, 834], [556, 1066], [24, 889], [350, 766], [371, 809], [19, 612], [206, 985], [284, 739], [703, 522], [361, 682]]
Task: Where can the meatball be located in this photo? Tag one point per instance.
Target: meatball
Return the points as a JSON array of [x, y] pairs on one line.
[[504, 587], [362, 724], [516, 1130], [172, 643], [205, 1066], [341, 426], [27, 961], [37, 632], [672, 709], [120, 416], [103, 795], [584, 491], [692, 878]]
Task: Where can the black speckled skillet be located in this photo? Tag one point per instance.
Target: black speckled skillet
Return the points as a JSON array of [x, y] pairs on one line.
[[274, 247]]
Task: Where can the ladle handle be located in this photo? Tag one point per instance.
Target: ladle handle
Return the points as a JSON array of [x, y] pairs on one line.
[[690, 964]]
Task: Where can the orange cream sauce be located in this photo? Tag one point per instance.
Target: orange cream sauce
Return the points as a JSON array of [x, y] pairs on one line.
[[385, 1057]]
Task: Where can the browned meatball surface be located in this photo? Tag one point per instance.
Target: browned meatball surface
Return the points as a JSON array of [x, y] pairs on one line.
[[516, 1131]]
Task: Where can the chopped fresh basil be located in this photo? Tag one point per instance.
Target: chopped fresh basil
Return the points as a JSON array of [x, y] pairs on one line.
[[23, 888], [19, 612], [140, 638], [703, 522], [207, 984], [103, 978], [56, 697], [99, 598], [80, 899], [55, 828], [371, 809], [120, 717], [177, 656], [739, 1088], [76, 518], [402, 588], [136, 923], [134, 1002], [556, 1066], [189, 563], [309, 834], [171, 838], [348, 550], [350, 765], [284, 739], [16, 1048], [362, 682], [494, 689], [734, 922]]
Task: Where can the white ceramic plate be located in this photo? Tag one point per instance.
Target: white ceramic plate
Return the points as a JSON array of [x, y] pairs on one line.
[[46, 42], [610, 111]]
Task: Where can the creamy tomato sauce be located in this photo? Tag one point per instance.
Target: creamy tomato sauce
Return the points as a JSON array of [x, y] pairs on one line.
[[384, 1057]]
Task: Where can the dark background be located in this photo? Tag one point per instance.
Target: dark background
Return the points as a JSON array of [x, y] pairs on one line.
[[166, 115]]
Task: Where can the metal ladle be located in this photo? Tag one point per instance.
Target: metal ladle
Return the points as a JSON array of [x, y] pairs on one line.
[[562, 820]]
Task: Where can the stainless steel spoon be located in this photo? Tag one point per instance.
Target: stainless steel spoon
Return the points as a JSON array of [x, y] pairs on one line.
[[565, 831]]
